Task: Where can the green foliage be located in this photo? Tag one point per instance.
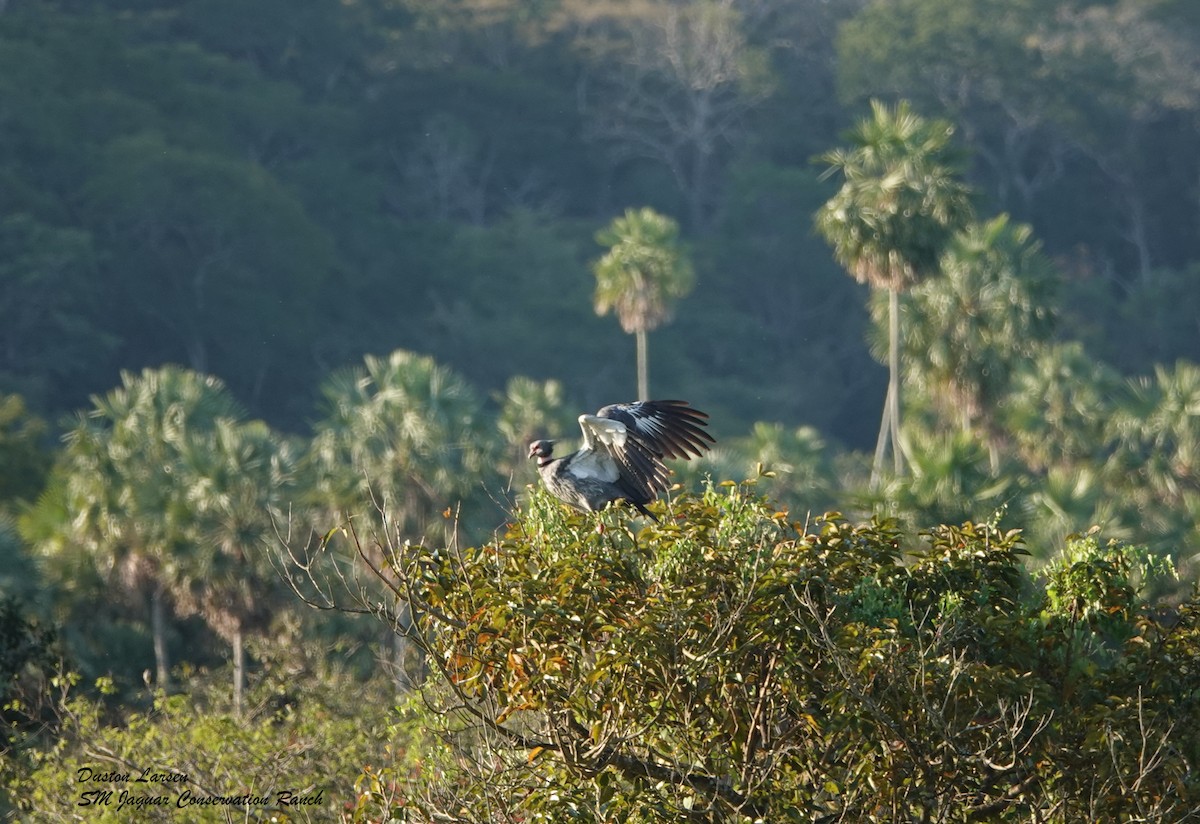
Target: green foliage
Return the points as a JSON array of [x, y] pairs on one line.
[[295, 744], [1060, 400], [900, 202], [30, 655], [193, 181], [124, 472], [951, 478], [932, 43], [795, 465], [48, 293], [1162, 306], [509, 298], [901, 198], [222, 236], [726, 664], [805, 331], [1064, 122], [529, 411], [23, 452], [164, 492], [644, 271], [401, 439], [1101, 585], [966, 332], [677, 83], [269, 192]]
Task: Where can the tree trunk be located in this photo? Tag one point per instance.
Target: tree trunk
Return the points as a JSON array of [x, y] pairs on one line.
[[239, 671], [158, 627], [399, 656], [408, 671], [1139, 235], [881, 442], [894, 376], [889, 424], [643, 368]]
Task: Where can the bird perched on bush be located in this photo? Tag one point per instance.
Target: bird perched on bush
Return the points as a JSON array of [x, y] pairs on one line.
[[621, 459]]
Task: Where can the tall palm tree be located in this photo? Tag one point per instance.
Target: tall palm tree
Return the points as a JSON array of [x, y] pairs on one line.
[[645, 270], [900, 201], [125, 487]]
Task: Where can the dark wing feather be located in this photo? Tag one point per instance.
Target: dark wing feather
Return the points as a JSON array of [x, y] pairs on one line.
[[655, 430], [668, 429], [641, 471]]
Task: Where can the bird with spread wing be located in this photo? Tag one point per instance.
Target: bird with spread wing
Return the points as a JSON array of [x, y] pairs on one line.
[[624, 446]]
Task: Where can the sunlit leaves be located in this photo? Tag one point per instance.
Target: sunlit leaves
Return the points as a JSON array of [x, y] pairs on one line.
[[728, 662]]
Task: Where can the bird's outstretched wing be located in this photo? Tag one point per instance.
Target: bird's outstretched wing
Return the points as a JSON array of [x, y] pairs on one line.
[[638, 436], [671, 429]]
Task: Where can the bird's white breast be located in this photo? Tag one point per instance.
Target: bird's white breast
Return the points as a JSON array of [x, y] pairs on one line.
[[594, 465]]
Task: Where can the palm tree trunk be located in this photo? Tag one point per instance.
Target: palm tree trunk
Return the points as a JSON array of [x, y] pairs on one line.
[[894, 376], [643, 367], [158, 629], [239, 672], [889, 424], [881, 442]]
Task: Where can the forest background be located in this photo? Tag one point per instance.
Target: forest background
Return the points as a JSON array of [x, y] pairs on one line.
[[296, 197]]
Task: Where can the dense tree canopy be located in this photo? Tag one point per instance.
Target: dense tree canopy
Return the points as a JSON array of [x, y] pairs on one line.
[[270, 193], [729, 664]]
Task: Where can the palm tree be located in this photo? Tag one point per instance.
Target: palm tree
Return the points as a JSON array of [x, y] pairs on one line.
[[1058, 406], [900, 202], [1155, 433], [1066, 501], [972, 327], [401, 434], [239, 474], [645, 270], [124, 486], [400, 446]]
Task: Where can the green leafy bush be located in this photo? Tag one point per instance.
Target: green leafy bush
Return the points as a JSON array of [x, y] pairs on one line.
[[294, 756], [729, 664]]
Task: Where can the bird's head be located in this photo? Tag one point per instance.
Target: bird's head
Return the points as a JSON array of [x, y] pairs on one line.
[[541, 450]]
